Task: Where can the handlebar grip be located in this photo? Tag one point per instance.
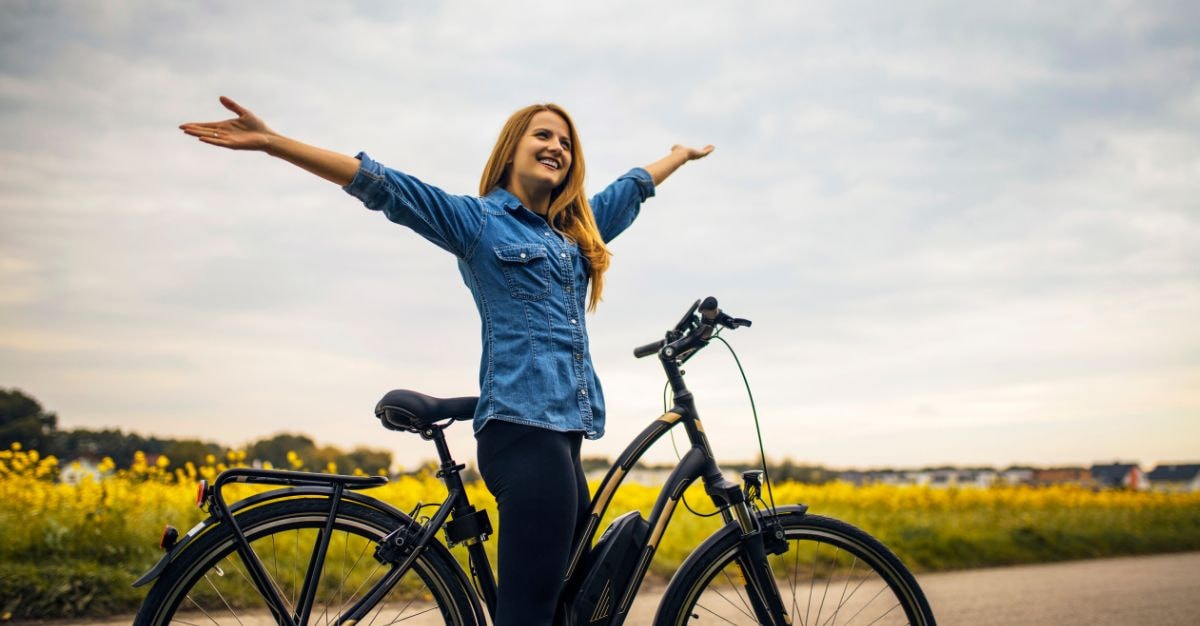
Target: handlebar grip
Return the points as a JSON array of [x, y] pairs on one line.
[[708, 309], [648, 349]]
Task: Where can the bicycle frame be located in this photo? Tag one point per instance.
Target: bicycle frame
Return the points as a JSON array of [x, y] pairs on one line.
[[464, 524], [697, 462]]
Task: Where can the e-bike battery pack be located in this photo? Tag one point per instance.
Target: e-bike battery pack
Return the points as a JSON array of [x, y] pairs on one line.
[[610, 566]]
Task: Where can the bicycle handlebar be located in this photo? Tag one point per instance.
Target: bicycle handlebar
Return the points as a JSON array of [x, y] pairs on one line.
[[648, 349], [692, 332]]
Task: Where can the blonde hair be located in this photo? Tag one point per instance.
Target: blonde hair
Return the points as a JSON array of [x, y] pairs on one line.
[[569, 212]]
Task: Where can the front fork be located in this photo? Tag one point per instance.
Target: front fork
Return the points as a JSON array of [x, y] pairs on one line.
[[758, 539]]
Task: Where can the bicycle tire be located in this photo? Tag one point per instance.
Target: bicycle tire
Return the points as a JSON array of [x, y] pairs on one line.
[[831, 568], [208, 582]]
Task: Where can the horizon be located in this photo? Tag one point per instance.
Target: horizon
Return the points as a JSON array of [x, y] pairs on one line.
[[656, 464]]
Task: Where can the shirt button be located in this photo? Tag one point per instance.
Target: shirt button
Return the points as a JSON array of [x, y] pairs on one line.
[[522, 255], [547, 233], [563, 254], [573, 320], [583, 392], [578, 357]]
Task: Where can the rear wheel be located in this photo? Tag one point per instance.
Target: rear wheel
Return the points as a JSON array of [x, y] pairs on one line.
[[830, 574], [208, 582]]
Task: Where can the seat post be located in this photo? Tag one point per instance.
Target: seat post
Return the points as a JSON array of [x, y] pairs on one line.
[[434, 433]]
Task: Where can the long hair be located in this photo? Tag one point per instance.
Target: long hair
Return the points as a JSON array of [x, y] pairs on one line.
[[569, 213]]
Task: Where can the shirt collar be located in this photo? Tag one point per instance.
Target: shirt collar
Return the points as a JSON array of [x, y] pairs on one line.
[[505, 198]]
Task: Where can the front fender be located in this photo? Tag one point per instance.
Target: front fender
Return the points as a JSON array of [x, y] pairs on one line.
[[701, 551], [254, 501]]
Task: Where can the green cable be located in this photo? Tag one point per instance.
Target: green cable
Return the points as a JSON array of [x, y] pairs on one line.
[[758, 431]]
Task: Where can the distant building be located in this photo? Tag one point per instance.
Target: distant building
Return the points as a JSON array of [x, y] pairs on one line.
[[1182, 477], [1077, 476], [1120, 476], [978, 477], [1016, 476], [80, 468]]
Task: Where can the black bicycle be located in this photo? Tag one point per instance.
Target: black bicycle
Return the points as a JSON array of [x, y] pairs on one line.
[[317, 550]]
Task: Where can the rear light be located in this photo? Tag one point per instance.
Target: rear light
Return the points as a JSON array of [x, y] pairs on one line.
[[169, 536], [201, 493]]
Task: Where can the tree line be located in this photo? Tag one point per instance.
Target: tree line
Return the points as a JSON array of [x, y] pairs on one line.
[[24, 421]]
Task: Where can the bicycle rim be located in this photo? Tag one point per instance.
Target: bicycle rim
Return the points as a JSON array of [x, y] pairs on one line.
[[832, 574], [210, 584]]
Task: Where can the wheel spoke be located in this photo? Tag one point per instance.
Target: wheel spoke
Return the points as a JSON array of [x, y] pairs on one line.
[[893, 607], [794, 580], [828, 580], [842, 600], [210, 617], [370, 575], [715, 614], [220, 595], [405, 619], [812, 582]]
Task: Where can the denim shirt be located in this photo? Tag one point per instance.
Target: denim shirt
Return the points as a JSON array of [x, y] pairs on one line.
[[529, 284]]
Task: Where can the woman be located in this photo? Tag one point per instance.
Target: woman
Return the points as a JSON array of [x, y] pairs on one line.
[[527, 248]]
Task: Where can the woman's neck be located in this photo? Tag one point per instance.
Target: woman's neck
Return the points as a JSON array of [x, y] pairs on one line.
[[538, 202]]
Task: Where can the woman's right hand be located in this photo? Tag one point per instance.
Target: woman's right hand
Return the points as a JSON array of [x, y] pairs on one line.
[[244, 132]]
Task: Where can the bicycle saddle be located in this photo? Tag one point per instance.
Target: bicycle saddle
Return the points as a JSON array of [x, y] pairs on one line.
[[412, 411]]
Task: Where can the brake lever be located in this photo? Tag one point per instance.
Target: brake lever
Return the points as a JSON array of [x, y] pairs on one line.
[[688, 319], [732, 322]]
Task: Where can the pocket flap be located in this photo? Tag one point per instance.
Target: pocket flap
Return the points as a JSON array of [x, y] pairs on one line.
[[521, 252]]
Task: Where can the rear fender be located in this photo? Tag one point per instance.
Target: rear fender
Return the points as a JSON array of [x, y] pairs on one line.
[[254, 501]]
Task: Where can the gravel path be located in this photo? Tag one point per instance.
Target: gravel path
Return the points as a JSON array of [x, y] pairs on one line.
[[1161, 590]]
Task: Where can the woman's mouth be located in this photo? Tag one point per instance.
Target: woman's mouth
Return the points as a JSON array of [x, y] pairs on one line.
[[550, 163]]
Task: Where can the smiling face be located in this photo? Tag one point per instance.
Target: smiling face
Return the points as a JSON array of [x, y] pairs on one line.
[[542, 159]]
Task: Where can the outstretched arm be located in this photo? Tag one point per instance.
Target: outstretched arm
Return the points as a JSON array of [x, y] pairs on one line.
[[664, 167], [248, 132]]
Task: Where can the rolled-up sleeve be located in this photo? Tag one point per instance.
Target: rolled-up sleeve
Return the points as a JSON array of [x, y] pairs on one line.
[[453, 223], [618, 205]]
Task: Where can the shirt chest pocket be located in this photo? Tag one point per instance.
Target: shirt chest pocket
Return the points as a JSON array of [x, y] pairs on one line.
[[526, 269]]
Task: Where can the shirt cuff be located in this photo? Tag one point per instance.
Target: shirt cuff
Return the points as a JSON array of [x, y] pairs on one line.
[[366, 180], [645, 182]]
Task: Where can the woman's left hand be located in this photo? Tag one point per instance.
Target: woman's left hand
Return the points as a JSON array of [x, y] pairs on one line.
[[680, 154], [693, 153]]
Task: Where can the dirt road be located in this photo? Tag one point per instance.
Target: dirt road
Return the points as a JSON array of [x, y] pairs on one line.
[[1159, 590]]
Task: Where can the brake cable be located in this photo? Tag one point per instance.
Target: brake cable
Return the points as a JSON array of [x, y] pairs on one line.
[[762, 455]]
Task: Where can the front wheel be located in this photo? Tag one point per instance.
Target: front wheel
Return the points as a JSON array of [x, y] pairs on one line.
[[830, 574], [208, 583]]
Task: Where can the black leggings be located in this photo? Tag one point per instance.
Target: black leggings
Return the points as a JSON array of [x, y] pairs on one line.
[[538, 481]]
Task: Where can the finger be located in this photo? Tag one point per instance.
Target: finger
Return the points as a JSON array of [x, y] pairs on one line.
[[200, 131], [705, 151], [233, 106], [203, 126], [216, 141]]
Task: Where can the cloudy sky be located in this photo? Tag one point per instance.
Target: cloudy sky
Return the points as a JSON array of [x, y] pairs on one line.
[[965, 232]]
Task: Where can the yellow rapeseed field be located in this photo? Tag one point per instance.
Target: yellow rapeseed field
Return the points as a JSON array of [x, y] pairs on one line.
[[108, 527]]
